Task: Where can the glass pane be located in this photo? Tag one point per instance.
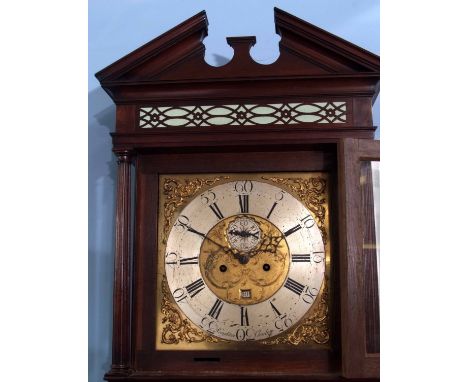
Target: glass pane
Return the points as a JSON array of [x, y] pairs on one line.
[[370, 202], [376, 193]]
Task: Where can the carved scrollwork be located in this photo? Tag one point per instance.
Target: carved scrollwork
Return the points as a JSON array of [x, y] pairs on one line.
[[176, 328], [177, 193], [312, 192]]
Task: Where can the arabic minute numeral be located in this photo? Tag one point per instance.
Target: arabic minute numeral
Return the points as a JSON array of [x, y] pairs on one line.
[[180, 294], [243, 187], [247, 334], [240, 334], [308, 222], [309, 295], [182, 222], [210, 324], [171, 258], [283, 323], [208, 197], [318, 258]]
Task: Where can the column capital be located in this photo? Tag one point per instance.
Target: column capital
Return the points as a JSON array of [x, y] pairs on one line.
[[124, 156]]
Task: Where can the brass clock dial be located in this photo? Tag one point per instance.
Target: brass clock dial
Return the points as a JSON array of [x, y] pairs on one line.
[[245, 260]]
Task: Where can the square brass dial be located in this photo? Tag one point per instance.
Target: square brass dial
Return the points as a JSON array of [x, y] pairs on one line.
[[233, 201]]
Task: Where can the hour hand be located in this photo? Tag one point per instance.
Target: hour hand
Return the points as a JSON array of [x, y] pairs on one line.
[[238, 233], [244, 233]]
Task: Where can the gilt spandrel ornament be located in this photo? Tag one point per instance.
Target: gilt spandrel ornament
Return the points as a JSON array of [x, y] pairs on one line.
[[312, 192], [177, 193], [177, 328], [313, 329]]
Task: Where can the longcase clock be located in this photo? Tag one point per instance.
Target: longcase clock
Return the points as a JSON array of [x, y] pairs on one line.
[[246, 246]]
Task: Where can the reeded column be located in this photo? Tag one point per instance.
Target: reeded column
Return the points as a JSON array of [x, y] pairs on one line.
[[121, 349]]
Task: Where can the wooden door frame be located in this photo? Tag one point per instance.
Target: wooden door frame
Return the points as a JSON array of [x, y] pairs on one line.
[[356, 361]]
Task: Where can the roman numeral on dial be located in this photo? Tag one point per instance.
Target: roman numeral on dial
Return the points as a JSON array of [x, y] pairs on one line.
[[244, 203], [277, 312], [189, 260], [216, 309], [306, 222], [301, 258], [196, 287], [272, 209], [294, 286], [292, 230], [184, 261], [244, 316], [214, 207]]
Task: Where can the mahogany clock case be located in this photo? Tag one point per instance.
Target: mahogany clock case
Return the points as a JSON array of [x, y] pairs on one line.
[[149, 166], [315, 69]]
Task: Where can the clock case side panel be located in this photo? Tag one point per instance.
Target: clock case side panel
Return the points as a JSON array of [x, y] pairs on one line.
[[170, 363], [359, 289]]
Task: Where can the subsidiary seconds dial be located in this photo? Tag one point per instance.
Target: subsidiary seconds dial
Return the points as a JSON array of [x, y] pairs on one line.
[[245, 260], [243, 234]]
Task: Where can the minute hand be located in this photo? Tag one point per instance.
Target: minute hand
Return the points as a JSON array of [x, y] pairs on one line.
[[225, 249]]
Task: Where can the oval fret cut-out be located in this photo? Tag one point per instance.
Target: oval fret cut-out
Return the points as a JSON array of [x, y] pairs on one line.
[[249, 114]]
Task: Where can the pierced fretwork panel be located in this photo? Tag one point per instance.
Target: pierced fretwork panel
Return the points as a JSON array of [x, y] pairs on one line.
[[237, 115]]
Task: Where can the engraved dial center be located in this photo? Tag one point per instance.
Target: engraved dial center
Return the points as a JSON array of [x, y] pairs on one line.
[[244, 259]]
